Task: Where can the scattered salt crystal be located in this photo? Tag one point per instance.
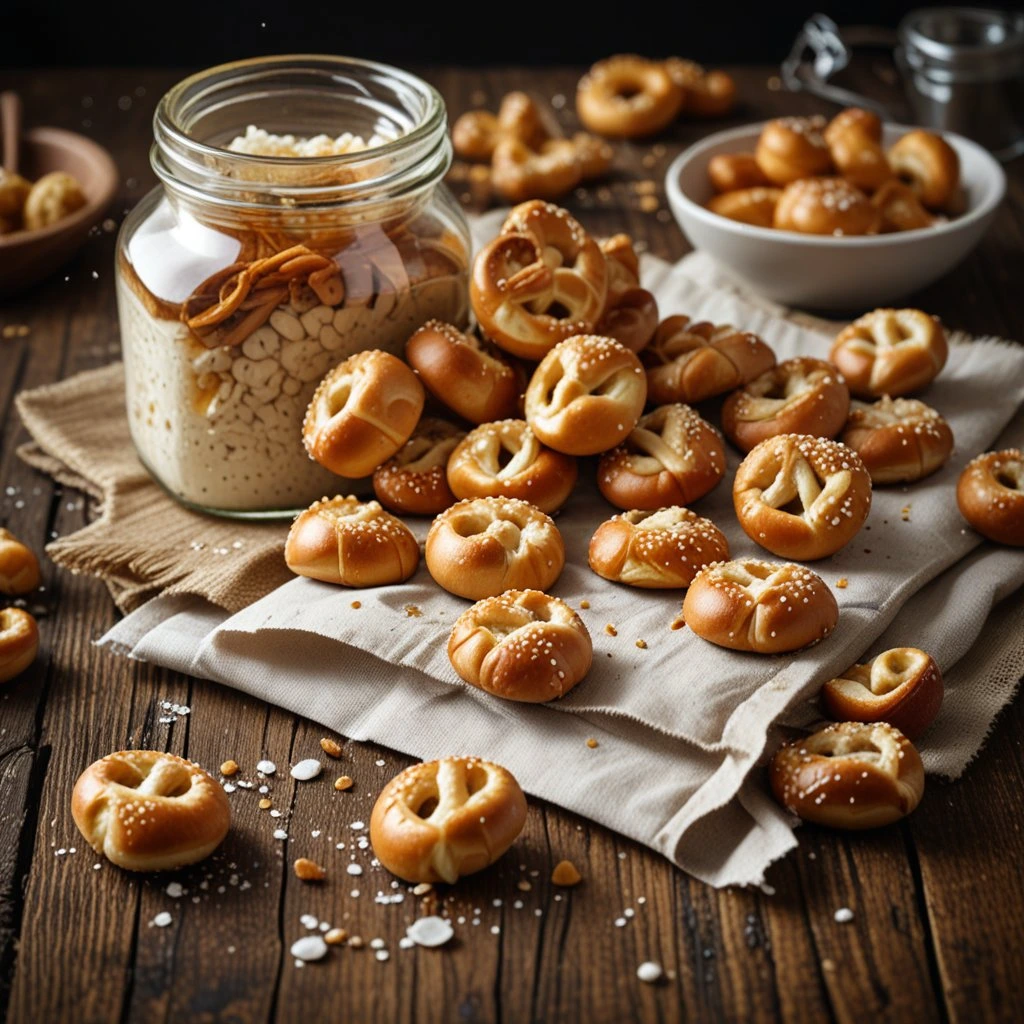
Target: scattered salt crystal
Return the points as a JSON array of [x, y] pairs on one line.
[[279, 833], [162, 920], [843, 915], [357, 826], [405, 942], [382, 955], [649, 971], [308, 921], [377, 943], [354, 869], [266, 767], [309, 947], [308, 769], [175, 890], [430, 931]]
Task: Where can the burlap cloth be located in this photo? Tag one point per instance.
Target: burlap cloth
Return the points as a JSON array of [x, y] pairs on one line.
[[681, 725]]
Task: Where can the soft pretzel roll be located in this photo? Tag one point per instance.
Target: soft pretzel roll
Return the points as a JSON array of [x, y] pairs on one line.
[[542, 260], [146, 810], [521, 645], [899, 208], [890, 352], [929, 165], [462, 372], [475, 134], [729, 172], [790, 148], [630, 313], [440, 820], [362, 412], [627, 97], [705, 93], [852, 775], [902, 686], [762, 607], [898, 440], [671, 457], [19, 567], [801, 497], [19, 642], [520, 173], [754, 205], [854, 139], [482, 547], [826, 206], [415, 482], [798, 396], [690, 360], [346, 541], [586, 395], [505, 460], [660, 550], [990, 494]]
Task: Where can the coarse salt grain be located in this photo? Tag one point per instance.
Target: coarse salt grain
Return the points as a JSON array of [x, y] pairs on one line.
[[649, 972], [309, 947], [430, 931], [307, 769]]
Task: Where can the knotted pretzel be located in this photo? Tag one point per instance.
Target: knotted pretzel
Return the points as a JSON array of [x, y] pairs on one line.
[[929, 165], [414, 481], [755, 205], [630, 314], [19, 567], [826, 206], [790, 148], [628, 97], [899, 208], [477, 133], [705, 93], [990, 494], [854, 139], [729, 172], [19, 642]]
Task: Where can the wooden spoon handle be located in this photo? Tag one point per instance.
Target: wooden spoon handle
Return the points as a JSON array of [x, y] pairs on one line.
[[10, 119]]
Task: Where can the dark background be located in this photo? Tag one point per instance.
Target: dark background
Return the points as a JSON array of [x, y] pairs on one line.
[[190, 33]]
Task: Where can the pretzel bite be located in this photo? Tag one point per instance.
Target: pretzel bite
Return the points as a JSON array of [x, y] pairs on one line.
[[854, 139], [414, 481], [19, 642], [630, 313], [798, 396], [729, 172], [902, 686], [627, 97], [484, 546], [476, 134], [441, 820], [826, 206], [898, 440], [542, 280], [521, 645], [852, 775], [890, 352], [145, 810], [505, 460], [672, 457], [690, 360], [520, 173], [586, 395], [754, 206], [19, 567], [656, 550], [355, 544], [801, 497], [929, 165], [761, 607], [790, 148], [990, 494], [705, 93], [899, 208], [465, 374], [362, 412]]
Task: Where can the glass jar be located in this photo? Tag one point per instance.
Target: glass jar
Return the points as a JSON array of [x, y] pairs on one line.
[[245, 277]]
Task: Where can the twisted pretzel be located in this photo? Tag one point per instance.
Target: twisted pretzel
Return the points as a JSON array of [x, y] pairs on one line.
[[630, 313]]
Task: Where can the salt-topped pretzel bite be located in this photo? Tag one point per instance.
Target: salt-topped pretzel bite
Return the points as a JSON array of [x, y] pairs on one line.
[[362, 412], [990, 495], [705, 93], [630, 314], [890, 352], [520, 173], [440, 820], [899, 440], [729, 172], [482, 547], [671, 457], [19, 567], [899, 208], [477, 132], [414, 481], [762, 607], [690, 360], [755, 205], [901, 686], [353, 543], [628, 97], [790, 148], [505, 460], [586, 395], [19, 642], [464, 373], [658, 550], [800, 496], [852, 775], [542, 280], [521, 645], [854, 139], [798, 396], [929, 165], [826, 206]]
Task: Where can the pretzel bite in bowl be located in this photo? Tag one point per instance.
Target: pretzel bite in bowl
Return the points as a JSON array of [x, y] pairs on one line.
[[825, 271]]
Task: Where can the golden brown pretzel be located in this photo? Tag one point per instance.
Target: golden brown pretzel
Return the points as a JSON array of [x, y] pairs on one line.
[[854, 139], [705, 93], [672, 457], [630, 313], [19, 642], [477, 132], [542, 280], [755, 205], [690, 360], [990, 495], [728, 172], [520, 173], [929, 165], [826, 206], [899, 208], [19, 567], [414, 481], [800, 496], [790, 148], [628, 97]]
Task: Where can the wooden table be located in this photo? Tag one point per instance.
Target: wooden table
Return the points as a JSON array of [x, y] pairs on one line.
[[938, 899]]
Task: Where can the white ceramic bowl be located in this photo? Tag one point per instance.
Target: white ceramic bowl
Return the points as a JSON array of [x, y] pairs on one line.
[[820, 271]]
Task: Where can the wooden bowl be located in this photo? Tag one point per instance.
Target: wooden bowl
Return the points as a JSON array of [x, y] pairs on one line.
[[28, 256]]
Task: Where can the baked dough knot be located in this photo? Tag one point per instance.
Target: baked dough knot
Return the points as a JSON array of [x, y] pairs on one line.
[[670, 437], [889, 671]]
